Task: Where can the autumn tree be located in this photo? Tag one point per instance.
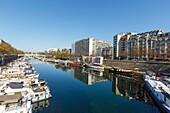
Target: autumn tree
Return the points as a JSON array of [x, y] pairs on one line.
[[65, 55], [6, 48], [62, 55]]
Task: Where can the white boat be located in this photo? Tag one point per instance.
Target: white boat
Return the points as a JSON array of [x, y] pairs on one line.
[[21, 78], [25, 70], [13, 71], [40, 91], [95, 66], [14, 104], [34, 90], [159, 91]]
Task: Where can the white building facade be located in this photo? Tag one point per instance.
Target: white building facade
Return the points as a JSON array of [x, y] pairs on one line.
[[73, 48], [54, 50], [89, 46]]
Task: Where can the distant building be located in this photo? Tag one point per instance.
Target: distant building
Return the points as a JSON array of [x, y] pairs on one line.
[[106, 52], [89, 46], [54, 50], [84, 46], [73, 48], [92, 59]]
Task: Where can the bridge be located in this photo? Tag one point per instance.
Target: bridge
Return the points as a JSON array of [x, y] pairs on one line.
[[8, 58], [33, 55]]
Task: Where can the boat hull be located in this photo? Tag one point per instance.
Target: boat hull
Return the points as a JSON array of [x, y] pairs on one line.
[[41, 99], [95, 67], [121, 72], [158, 103]]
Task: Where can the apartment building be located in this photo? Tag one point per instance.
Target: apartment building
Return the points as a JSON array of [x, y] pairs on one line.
[[152, 44], [106, 52], [89, 46], [120, 44], [54, 50], [163, 45]]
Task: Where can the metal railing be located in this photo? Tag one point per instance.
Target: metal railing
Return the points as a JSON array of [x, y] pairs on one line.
[[16, 106]]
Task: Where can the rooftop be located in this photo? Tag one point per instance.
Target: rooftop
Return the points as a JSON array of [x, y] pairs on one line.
[[5, 99]]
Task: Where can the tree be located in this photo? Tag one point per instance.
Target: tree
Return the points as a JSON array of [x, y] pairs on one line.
[[58, 55], [65, 55], [6, 48], [62, 55]]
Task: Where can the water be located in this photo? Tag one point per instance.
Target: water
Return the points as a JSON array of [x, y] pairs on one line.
[[85, 91]]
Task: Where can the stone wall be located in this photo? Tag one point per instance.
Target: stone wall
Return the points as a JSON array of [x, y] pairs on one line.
[[7, 58], [142, 65]]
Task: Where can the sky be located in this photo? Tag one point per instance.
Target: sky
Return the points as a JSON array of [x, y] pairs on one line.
[[36, 25]]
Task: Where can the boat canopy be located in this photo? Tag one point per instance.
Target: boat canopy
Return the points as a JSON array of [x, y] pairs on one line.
[[15, 85], [6, 99]]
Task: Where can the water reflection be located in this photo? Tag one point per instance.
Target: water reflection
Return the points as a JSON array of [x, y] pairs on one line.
[[121, 85], [63, 68], [106, 94], [39, 106], [130, 88], [87, 76]]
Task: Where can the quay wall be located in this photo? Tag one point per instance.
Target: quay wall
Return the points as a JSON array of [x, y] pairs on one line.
[[142, 65], [7, 58]]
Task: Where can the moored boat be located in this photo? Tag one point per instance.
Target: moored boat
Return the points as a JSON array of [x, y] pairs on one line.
[[159, 91], [74, 64], [15, 104], [95, 66], [20, 77], [123, 71]]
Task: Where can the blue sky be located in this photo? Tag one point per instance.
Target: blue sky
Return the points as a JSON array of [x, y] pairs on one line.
[[36, 25]]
